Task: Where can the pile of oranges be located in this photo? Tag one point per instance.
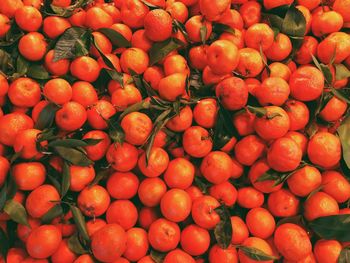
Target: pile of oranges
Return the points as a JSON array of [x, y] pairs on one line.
[[175, 131]]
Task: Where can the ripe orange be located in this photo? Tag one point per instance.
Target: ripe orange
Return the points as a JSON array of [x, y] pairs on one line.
[[98, 113], [137, 127], [9, 7], [222, 57], [32, 46], [327, 250], [147, 215], [298, 114], [249, 197], [197, 142], [224, 192], [43, 241], [71, 116], [304, 181], [24, 92], [341, 6], [134, 59], [178, 11], [260, 222], [177, 256], [282, 203], [157, 162], [151, 191], [158, 25], [28, 18], [333, 110], [213, 10], [250, 62], [63, 253], [195, 240], [97, 18], [84, 93], [122, 212], [203, 213], [5, 25], [320, 204], [85, 68], [4, 168], [133, 13], [194, 25], [109, 243], [57, 68], [335, 184], [122, 157], [233, 93], [249, 149], [29, 176], [337, 42], [175, 205], [58, 91], [239, 230], [93, 201], [137, 244], [53, 26], [164, 235], [254, 242]]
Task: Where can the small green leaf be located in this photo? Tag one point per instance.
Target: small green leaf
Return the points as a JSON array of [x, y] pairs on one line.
[[202, 184], [6, 62], [4, 243], [324, 69], [17, 212], [79, 221], [101, 175], [220, 28], [65, 179], [160, 50], [115, 37], [91, 141], [332, 227], [115, 75], [179, 26], [75, 245], [223, 230], [38, 72], [203, 33], [3, 195], [272, 175], [158, 257], [256, 254], [341, 72], [46, 116], [275, 21], [344, 256], [258, 111], [74, 42], [294, 23], [51, 214], [68, 143], [344, 136], [22, 66], [73, 156], [11, 37], [341, 94]]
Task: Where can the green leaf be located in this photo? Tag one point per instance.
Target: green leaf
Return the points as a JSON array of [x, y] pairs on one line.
[[73, 156], [276, 31], [22, 66], [4, 243], [203, 33], [275, 21], [294, 23], [113, 74], [179, 26], [6, 62], [79, 221], [344, 256], [65, 179], [332, 227], [101, 175], [74, 42], [3, 195], [51, 214], [324, 69], [75, 245], [38, 72], [223, 230], [272, 175], [344, 136], [17, 212], [256, 254], [341, 72], [220, 28], [117, 134], [158, 257], [67, 11], [92, 142], [160, 50], [46, 116], [202, 184], [341, 94], [115, 37], [258, 111], [11, 37], [68, 143]]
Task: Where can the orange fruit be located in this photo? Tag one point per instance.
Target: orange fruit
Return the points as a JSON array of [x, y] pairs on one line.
[[177, 256], [102, 42], [299, 138], [63, 253], [195, 240], [216, 167], [333, 110], [56, 68], [123, 157], [85, 68], [53, 26], [198, 57], [182, 121], [213, 10], [32, 46], [78, 18], [320, 204], [233, 19], [24, 92], [244, 122], [93, 201], [324, 149], [249, 149], [109, 243], [197, 142], [273, 91], [43, 241], [84, 93], [99, 113], [258, 36], [125, 97], [140, 40], [249, 197], [5, 25], [151, 190], [178, 11], [58, 91], [304, 180], [122, 185], [203, 213], [4, 85], [9, 7], [250, 62], [233, 93], [122, 212], [282, 203], [326, 22], [137, 127], [29, 176], [239, 230], [137, 244], [205, 113], [292, 241], [258, 243], [277, 70], [179, 173], [335, 184], [175, 64], [158, 25], [327, 250], [337, 42], [172, 86], [194, 25], [134, 59], [11, 124], [164, 235], [341, 6], [250, 12], [284, 155], [4, 168], [97, 18], [222, 57], [93, 225], [97, 151], [71, 116], [133, 13], [273, 125], [28, 18], [224, 192], [157, 162], [280, 49], [298, 114], [175, 205], [80, 177], [260, 222]]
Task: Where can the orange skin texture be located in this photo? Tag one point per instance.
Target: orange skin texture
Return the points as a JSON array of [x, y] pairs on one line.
[[157, 162], [260, 222], [137, 127], [122, 157], [341, 6], [304, 181], [122, 185], [233, 93], [125, 97], [133, 13], [196, 141], [217, 254], [269, 4], [249, 149], [216, 167], [334, 109], [193, 26], [93, 201], [164, 235], [338, 41], [151, 191], [244, 123], [320, 204], [109, 243], [258, 243], [93, 225], [63, 253], [327, 22], [222, 56], [53, 27], [277, 70], [308, 48], [9, 7], [4, 168], [140, 40], [58, 91], [97, 18], [135, 59], [239, 230], [71, 116], [24, 92], [137, 244], [202, 212], [259, 35], [175, 205], [29, 176], [224, 192], [292, 241], [4, 85], [85, 68], [232, 18], [178, 11], [335, 184], [172, 86], [195, 240], [57, 68], [282, 203], [80, 177], [298, 114], [250, 62], [98, 151], [122, 212], [213, 10], [43, 241], [158, 25], [327, 251], [250, 12], [324, 149], [249, 197], [273, 91], [32, 46], [182, 121], [178, 255], [28, 18], [280, 49], [179, 173], [147, 215]]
